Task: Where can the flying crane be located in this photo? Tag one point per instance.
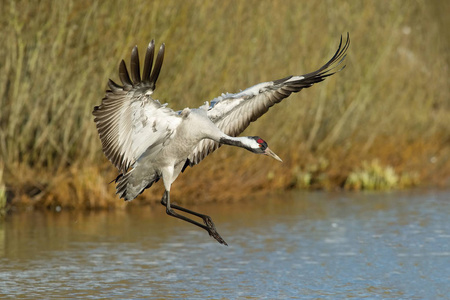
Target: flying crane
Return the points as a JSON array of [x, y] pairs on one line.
[[147, 141]]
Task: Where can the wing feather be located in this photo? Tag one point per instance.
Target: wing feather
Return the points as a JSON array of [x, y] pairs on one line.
[[148, 61], [134, 65], [128, 120], [124, 77], [233, 113]]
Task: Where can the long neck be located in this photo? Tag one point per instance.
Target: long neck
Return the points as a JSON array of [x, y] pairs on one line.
[[242, 142], [214, 133]]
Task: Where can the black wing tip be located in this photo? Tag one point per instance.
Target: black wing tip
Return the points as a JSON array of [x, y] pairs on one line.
[[157, 67], [150, 73], [341, 52], [124, 76], [339, 56], [151, 45], [135, 65], [95, 110], [327, 70], [148, 63], [134, 51]]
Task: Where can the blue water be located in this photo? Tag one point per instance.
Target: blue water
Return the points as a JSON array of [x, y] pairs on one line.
[[295, 245]]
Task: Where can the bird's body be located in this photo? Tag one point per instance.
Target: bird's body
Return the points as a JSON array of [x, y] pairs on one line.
[[148, 141], [169, 158]]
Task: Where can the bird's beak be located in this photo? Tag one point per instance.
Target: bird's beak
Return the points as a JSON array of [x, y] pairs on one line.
[[270, 153]]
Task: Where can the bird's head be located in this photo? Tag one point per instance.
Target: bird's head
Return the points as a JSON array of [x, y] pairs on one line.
[[257, 145]]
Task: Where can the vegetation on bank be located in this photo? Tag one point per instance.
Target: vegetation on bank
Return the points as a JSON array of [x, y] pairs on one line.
[[383, 122]]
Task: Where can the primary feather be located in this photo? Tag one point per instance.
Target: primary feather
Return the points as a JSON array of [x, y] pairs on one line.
[[233, 113]]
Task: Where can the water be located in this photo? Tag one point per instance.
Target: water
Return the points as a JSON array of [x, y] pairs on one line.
[[295, 245]]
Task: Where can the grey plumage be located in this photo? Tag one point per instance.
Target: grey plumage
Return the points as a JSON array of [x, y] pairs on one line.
[[147, 141]]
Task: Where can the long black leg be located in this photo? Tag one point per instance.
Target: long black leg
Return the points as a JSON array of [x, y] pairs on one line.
[[206, 219], [209, 225], [166, 202]]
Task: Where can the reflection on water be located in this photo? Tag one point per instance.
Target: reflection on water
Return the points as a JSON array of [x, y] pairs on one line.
[[295, 245]]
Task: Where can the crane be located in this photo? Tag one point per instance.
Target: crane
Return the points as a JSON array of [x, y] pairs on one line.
[[147, 141]]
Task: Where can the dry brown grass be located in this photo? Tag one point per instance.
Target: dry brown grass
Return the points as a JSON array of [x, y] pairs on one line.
[[391, 103]]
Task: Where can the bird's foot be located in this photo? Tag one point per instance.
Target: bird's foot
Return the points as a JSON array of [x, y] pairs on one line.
[[212, 230]]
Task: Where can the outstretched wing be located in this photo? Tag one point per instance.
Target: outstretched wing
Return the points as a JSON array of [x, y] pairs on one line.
[[129, 121], [233, 113]]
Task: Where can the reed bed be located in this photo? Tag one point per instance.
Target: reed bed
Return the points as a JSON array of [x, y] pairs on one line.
[[390, 105]]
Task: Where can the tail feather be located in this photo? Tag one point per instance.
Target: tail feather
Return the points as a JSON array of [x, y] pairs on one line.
[[128, 188]]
